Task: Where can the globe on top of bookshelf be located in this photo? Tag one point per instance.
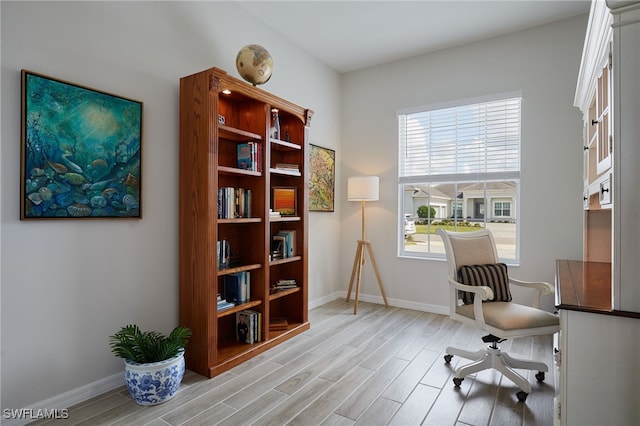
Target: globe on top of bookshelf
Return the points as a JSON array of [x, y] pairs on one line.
[[254, 63]]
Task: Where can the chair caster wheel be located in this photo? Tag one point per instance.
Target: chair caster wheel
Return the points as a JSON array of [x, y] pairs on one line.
[[522, 396], [540, 376], [457, 382], [447, 358]]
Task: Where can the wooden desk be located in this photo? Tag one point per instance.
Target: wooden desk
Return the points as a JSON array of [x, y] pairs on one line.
[[586, 287]]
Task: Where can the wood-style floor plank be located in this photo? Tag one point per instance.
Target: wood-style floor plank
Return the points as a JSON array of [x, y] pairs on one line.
[[383, 366]]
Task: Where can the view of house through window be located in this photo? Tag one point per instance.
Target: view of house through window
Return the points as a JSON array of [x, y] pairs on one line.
[[459, 169]]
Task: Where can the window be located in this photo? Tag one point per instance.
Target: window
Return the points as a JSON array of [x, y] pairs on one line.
[[459, 168], [502, 209]]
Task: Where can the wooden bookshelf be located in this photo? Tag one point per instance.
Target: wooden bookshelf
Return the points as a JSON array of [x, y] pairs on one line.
[[212, 125]]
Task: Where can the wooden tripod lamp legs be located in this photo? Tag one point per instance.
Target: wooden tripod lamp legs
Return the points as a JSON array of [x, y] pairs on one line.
[[357, 269]]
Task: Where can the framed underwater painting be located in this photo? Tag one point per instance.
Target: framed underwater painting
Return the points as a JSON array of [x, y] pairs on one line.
[[80, 151]]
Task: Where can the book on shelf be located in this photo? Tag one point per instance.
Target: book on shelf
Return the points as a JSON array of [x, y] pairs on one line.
[[273, 214], [223, 254], [248, 327], [245, 157], [289, 246], [234, 202], [250, 156], [278, 323], [287, 166], [277, 247], [237, 287], [244, 328]]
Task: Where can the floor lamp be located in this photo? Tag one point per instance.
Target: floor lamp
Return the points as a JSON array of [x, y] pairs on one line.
[[363, 188]]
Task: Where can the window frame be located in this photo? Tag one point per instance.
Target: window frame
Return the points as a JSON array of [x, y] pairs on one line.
[[510, 176]]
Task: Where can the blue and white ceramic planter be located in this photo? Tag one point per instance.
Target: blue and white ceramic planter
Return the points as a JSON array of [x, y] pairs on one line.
[[155, 382]]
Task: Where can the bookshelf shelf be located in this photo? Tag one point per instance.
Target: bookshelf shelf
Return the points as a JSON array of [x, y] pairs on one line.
[[241, 220], [236, 171], [279, 145], [275, 333], [243, 268], [210, 155], [285, 260], [285, 172], [282, 293], [239, 308], [233, 134], [284, 219]]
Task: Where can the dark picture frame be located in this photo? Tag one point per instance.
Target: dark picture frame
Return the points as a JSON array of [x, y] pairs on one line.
[[81, 151], [322, 178], [284, 200]]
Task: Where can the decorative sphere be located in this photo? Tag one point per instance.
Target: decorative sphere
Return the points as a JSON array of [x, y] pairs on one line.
[[254, 63]]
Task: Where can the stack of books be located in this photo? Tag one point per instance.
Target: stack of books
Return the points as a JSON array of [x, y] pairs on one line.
[[276, 324], [223, 304], [288, 166], [283, 285], [273, 214]]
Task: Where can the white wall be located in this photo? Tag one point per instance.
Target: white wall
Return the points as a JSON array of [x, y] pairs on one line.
[[542, 63], [67, 285]]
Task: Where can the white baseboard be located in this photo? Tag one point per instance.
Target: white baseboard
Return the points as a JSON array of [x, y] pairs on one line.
[[399, 303], [323, 300], [91, 390], [64, 400]]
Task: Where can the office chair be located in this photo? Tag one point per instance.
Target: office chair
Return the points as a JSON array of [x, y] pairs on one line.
[[479, 295]]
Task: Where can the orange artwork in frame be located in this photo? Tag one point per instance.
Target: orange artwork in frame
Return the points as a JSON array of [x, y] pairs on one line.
[[284, 200]]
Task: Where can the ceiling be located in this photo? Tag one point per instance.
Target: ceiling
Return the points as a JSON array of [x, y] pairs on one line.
[[351, 35]]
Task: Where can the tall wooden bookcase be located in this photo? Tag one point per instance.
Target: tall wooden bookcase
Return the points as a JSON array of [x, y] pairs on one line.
[[217, 113]]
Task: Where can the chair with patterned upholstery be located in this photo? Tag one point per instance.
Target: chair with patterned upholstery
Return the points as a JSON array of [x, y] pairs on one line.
[[479, 294]]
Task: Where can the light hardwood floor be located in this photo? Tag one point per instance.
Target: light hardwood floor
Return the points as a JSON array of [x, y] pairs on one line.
[[383, 366]]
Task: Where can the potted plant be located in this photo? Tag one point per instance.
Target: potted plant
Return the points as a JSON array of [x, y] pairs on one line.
[[154, 363]]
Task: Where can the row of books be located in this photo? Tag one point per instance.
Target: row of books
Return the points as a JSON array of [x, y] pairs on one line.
[[283, 244], [250, 156], [234, 202], [249, 326], [237, 287]]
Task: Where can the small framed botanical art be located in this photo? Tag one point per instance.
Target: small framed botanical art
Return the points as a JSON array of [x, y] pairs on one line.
[[284, 200], [322, 176], [80, 151]]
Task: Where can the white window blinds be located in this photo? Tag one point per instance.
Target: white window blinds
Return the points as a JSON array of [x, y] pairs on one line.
[[478, 141]]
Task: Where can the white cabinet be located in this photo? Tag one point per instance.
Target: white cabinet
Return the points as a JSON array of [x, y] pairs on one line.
[[599, 369], [598, 297], [608, 94]]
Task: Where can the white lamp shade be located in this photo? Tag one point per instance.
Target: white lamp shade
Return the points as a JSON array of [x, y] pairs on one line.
[[363, 188]]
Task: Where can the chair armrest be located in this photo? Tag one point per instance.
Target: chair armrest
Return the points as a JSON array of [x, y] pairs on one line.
[[483, 291], [540, 288]]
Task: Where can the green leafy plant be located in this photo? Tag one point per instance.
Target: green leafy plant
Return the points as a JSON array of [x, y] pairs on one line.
[[426, 212], [148, 346]]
